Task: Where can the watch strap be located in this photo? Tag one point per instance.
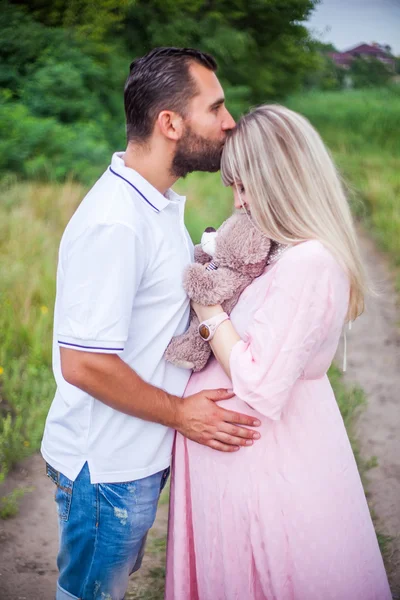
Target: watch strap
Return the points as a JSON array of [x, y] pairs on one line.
[[208, 328]]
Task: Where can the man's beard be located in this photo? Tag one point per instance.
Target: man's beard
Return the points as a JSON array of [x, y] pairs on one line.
[[196, 153]]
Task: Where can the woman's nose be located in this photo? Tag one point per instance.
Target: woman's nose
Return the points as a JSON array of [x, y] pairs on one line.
[[237, 203]]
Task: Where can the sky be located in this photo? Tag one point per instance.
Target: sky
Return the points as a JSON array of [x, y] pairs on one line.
[[346, 23]]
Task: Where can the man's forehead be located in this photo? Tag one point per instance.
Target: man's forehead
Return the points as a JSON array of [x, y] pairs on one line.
[[207, 82]]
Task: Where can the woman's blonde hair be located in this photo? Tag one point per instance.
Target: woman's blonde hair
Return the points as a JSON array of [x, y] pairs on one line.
[[294, 189]]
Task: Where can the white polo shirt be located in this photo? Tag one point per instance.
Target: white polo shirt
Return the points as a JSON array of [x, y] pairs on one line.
[[119, 291]]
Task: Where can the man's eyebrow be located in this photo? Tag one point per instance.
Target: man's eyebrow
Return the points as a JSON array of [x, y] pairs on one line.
[[217, 103]]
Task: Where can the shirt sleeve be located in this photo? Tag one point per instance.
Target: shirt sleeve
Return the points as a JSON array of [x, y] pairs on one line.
[[284, 333], [101, 275]]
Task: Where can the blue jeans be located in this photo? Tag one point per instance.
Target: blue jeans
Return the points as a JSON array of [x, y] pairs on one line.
[[103, 529]]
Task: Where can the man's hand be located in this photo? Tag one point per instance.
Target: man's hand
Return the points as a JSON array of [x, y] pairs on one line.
[[202, 421], [110, 380]]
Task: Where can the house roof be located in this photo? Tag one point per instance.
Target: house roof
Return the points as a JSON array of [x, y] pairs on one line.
[[366, 49]]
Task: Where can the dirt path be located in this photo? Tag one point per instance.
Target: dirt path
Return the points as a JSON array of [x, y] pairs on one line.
[[28, 542], [374, 364]]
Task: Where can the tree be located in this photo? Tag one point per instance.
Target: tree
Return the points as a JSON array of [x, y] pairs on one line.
[[21, 41], [326, 75], [369, 73], [259, 45], [89, 19], [63, 64]]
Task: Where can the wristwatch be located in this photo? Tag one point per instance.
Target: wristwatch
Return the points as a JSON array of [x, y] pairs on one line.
[[208, 328]]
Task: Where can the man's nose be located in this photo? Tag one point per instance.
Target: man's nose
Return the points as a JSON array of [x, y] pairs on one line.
[[228, 122]]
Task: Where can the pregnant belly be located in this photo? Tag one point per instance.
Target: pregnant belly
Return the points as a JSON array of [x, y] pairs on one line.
[[214, 377]]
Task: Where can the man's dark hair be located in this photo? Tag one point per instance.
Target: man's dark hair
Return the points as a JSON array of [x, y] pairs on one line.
[[158, 81]]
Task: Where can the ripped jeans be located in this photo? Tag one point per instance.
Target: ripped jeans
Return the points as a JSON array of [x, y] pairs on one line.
[[103, 529]]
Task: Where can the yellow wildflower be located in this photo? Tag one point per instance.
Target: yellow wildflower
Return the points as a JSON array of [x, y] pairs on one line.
[[26, 444], [44, 310], [1, 370]]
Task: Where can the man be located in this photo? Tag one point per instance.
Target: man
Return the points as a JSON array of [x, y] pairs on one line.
[[120, 300]]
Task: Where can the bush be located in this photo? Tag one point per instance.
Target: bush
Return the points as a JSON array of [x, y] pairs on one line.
[[42, 148], [58, 90], [371, 72], [61, 108]]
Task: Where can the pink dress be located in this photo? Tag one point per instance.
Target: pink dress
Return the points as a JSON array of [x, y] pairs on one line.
[[287, 518]]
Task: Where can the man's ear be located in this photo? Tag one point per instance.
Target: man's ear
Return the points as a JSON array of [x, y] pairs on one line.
[[170, 124]]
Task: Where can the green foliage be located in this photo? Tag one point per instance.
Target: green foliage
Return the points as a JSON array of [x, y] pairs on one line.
[[356, 120], [32, 219], [209, 202], [43, 148], [155, 588], [58, 89], [21, 40], [89, 19], [366, 73], [324, 47], [9, 503], [63, 64], [260, 44], [61, 108], [325, 76], [360, 127]]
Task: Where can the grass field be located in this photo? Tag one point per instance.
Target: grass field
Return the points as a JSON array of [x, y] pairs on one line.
[[362, 130], [32, 218], [359, 127]]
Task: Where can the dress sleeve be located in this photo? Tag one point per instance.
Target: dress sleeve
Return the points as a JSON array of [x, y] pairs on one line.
[[284, 332]]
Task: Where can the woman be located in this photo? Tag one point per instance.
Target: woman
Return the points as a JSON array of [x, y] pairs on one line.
[[286, 518]]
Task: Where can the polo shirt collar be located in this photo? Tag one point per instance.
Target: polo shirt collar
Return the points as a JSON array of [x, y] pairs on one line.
[[145, 190]]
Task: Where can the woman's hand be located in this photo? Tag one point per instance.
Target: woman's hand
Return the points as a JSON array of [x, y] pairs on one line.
[[206, 312]]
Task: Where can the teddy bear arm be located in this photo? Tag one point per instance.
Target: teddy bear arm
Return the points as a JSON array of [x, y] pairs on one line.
[[211, 287], [189, 350], [229, 305]]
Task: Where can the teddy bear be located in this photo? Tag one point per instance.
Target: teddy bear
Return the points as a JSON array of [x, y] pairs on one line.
[[226, 262]]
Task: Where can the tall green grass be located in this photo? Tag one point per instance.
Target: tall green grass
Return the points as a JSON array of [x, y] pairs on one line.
[[208, 202], [354, 120], [32, 218], [362, 130]]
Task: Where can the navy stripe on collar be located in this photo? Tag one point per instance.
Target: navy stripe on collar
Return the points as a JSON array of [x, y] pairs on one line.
[[135, 188]]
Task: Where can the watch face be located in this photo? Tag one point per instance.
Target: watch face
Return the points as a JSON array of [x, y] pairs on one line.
[[204, 331]]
